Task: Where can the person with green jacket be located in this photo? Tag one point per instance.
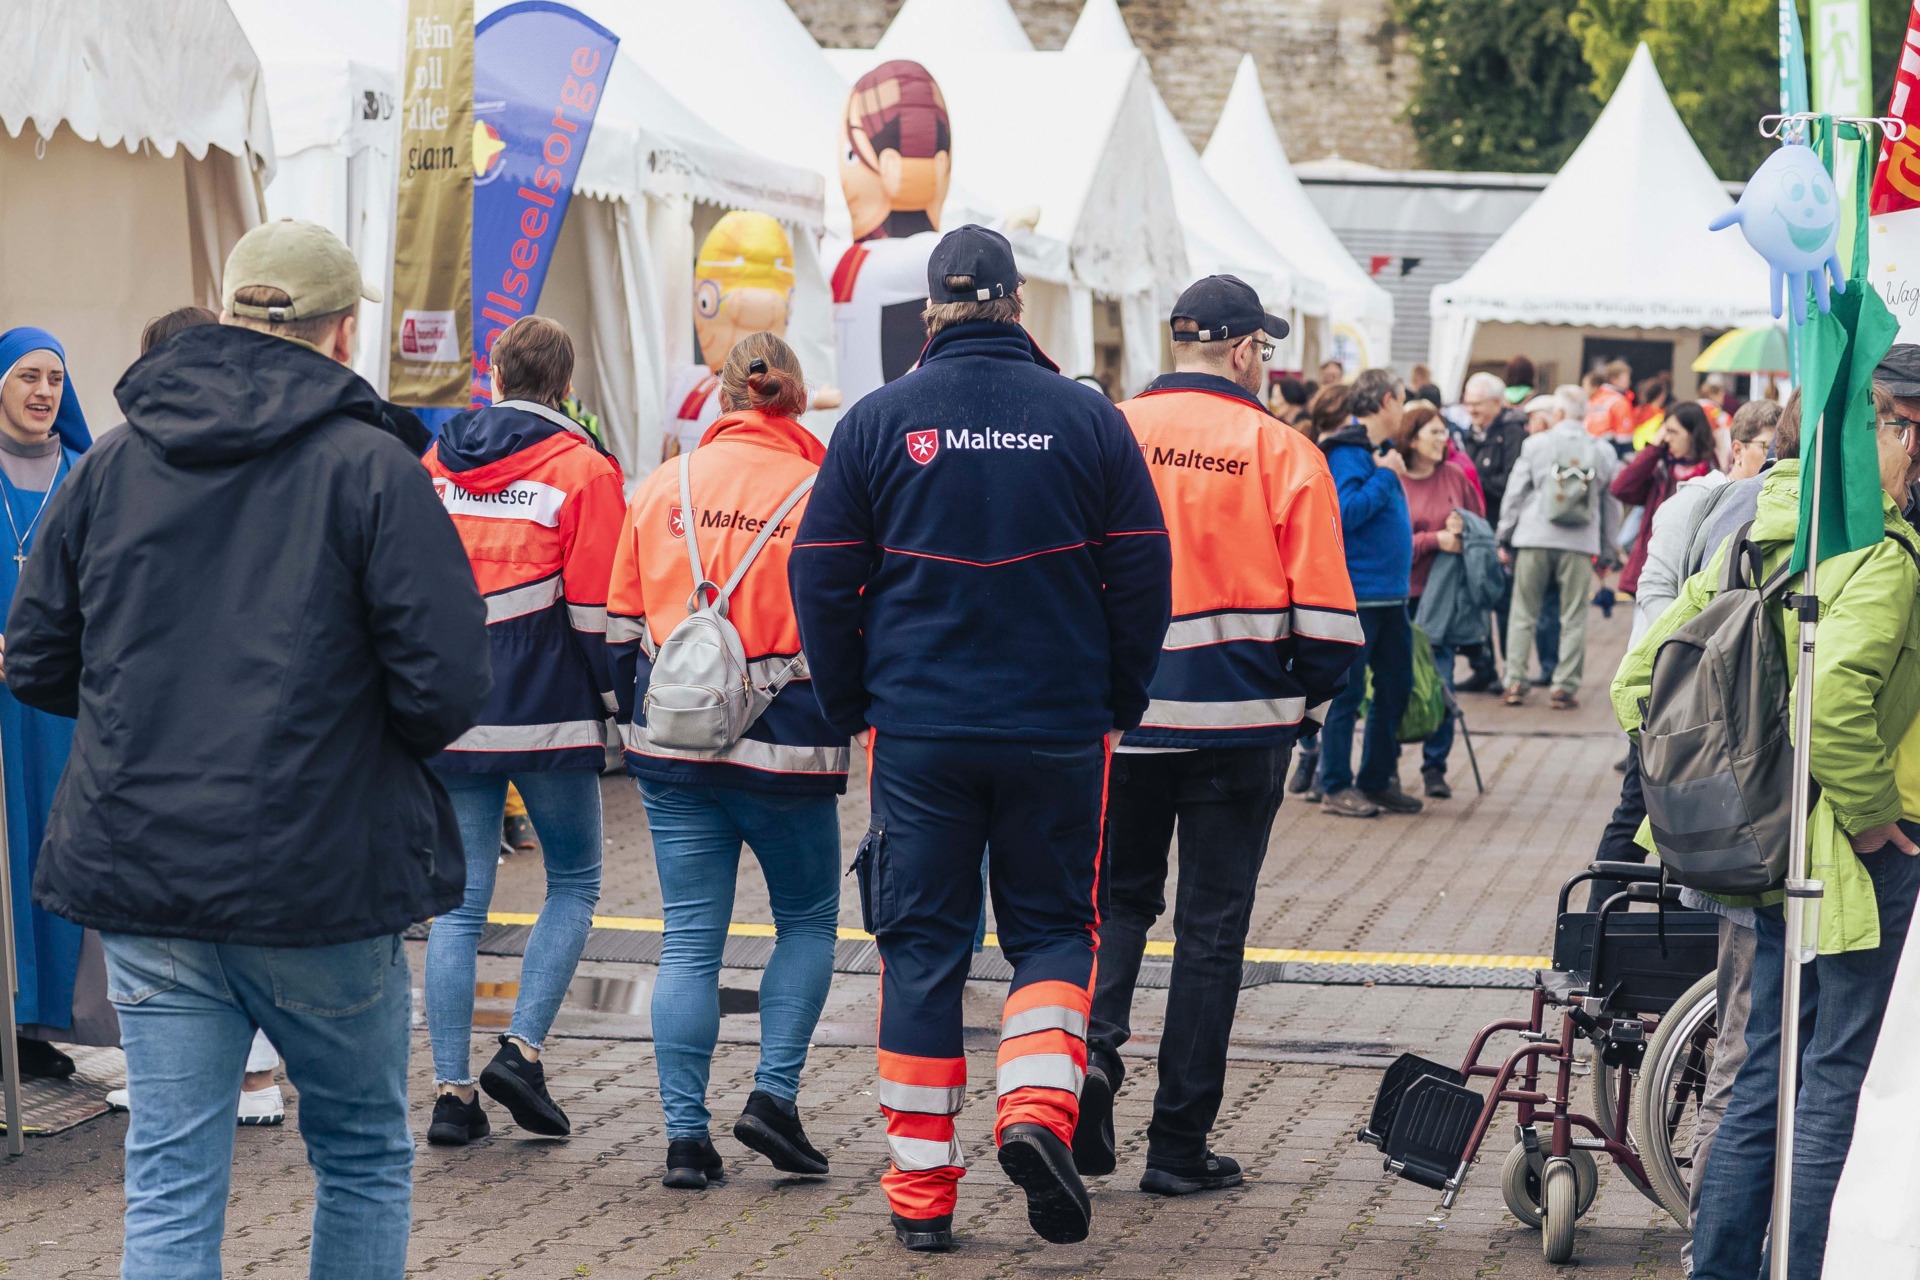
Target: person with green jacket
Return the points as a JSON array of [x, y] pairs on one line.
[[1865, 756]]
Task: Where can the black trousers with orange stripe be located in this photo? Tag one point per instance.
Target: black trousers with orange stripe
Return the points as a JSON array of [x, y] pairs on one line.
[[937, 803]]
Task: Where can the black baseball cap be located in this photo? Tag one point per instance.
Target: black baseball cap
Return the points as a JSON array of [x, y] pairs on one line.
[[977, 252], [1899, 373], [1227, 309]]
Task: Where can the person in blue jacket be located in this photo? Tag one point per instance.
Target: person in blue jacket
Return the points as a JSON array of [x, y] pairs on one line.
[[983, 582], [1379, 537]]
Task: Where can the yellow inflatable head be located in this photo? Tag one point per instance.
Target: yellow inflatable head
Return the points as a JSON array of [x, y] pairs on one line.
[[742, 283]]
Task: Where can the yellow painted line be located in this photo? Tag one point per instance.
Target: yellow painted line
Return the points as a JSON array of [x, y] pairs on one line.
[[651, 924]]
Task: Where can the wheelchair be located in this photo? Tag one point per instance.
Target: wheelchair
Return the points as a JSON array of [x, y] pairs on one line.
[[1633, 991]]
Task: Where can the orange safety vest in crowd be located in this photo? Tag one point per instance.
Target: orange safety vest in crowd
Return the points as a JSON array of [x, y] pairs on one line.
[[1264, 625], [745, 467], [1610, 414]]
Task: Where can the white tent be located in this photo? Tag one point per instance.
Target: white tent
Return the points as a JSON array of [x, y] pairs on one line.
[[149, 137], [1618, 240], [331, 74], [1246, 158], [1074, 136], [1219, 238], [972, 24]]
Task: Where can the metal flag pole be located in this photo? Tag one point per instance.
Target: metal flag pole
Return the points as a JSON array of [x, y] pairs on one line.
[[9, 1029]]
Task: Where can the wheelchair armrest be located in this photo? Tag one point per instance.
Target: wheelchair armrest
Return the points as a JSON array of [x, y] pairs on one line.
[[1631, 872]]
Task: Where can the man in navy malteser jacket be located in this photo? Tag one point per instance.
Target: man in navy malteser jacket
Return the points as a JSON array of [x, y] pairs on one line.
[[983, 580]]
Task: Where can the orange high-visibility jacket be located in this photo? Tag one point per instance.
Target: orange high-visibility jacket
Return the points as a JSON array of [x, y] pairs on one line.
[[1610, 414], [1264, 626], [745, 467]]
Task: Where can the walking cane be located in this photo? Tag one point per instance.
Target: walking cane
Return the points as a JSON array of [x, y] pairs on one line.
[[9, 1030], [1466, 735]]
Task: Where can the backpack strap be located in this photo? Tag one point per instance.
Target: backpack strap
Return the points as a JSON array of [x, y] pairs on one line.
[[1745, 565], [688, 522], [760, 541]]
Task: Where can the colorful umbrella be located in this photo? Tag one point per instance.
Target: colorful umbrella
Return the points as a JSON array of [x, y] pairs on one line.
[[1759, 349]]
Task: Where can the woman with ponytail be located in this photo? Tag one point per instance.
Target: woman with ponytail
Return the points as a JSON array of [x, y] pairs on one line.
[[774, 790]]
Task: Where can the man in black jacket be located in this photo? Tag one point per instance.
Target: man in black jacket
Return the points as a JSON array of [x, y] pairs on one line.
[[263, 621], [1493, 438]]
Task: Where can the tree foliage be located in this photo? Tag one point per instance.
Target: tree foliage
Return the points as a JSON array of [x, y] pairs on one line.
[[1513, 84], [1502, 84]]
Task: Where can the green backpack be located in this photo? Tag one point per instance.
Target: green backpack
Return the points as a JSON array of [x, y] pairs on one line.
[[1427, 705]]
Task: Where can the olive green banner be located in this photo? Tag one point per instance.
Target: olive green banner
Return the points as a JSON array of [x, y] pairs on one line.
[[431, 308]]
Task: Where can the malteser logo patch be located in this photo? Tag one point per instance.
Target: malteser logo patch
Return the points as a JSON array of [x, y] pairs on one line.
[[676, 522], [521, 500], [922, 445]]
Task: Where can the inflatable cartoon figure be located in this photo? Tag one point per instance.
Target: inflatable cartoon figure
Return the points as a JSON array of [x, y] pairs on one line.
[[1790, 214], [742, 284], [895, 165]]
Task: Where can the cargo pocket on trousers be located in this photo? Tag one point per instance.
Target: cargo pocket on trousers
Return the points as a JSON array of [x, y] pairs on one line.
[[867, 873]]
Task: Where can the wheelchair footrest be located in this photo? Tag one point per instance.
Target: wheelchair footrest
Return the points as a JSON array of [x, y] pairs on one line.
[[1401, 1073], [1427, 1143]]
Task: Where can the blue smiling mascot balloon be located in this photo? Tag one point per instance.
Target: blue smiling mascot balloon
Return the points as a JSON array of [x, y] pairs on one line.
[[1790, 214]]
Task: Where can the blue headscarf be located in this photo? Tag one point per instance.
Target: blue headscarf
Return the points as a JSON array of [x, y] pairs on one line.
[[69, 423]]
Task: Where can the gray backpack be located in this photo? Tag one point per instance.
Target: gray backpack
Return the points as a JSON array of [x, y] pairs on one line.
[[1716, 747], [1569, 487], [701, 695]]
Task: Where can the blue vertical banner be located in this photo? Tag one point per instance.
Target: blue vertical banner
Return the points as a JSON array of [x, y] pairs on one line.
[[538, 71]]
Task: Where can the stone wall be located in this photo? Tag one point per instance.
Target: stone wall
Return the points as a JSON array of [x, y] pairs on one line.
[[1336, 71]]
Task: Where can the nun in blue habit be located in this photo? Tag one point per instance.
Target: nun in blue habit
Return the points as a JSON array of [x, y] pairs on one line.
[[42, 435]]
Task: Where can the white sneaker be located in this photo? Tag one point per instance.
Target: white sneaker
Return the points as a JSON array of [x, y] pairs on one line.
[[116, 1099], [262, 1106]]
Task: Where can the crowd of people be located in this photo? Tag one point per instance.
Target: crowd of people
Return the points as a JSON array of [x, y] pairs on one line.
[[275, 681]]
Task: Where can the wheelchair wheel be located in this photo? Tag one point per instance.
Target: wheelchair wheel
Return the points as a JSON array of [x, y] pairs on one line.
[[1667, 1097], [1522, 1175], [1560, 1212]]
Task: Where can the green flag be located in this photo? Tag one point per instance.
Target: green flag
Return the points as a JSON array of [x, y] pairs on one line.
[[1838, 352]]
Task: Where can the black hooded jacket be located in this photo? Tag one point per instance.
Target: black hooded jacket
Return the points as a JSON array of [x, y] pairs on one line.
[[263, 620]]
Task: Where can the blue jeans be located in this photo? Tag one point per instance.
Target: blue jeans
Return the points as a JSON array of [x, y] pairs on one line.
[[1439, 744], [697, 834], [1387, 647], [338, 1015], [1842, 1000], [564, 805]]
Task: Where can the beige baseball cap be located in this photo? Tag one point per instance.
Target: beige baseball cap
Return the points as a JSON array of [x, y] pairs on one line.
[[305, 261]]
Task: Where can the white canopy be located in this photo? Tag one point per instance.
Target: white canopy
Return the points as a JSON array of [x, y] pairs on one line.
[[130, 209], [972, 24], [1246, 158], [1218, 236], [1618, 239]]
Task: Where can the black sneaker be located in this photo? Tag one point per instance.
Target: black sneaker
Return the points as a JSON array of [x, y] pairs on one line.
[[1394, 800], [1211, 1174], [771, 1126], [41, 1061], [693, 1164], [1093, 1146], [1436, 783], [1481, 681], [456, 1123], [521, 1087], [924, 1235], [1042, 1166], [1304, 770]]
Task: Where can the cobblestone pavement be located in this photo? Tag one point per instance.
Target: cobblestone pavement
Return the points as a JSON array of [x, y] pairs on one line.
[[1478, 875]]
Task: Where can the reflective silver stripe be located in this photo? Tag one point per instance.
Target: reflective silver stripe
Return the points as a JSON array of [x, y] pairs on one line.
[[517, 602], [1319, 714], [927, 1099], [1041, 1071], [915, 1155], [587, 617], [611, 703], [1046, 1017], [750, 752], [1218, 628], [532, 737], [625, 630], [1327, 624], [1253, 714]]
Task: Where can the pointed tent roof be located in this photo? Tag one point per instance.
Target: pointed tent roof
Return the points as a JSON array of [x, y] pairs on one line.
[[1619, 238], [954, 24], [1219, 238], [1245, 157]]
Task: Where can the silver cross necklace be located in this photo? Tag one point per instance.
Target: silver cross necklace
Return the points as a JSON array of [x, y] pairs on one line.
[[20, 539]]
